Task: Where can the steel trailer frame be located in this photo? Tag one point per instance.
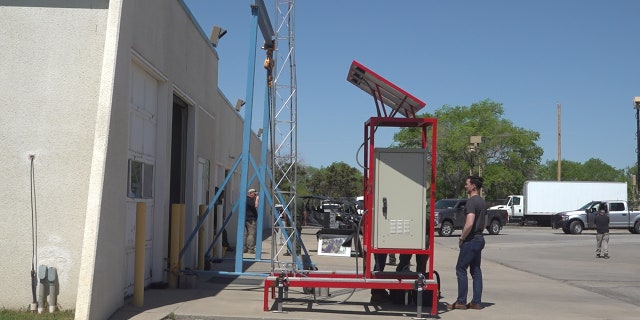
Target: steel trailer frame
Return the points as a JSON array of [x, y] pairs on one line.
[[369, 279], [385, 95]]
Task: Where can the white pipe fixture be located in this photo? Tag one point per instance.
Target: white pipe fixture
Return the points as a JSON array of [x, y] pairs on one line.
[[52, 276]]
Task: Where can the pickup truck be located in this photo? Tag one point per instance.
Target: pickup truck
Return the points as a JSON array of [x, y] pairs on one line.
[[620, 217], [450, 216]]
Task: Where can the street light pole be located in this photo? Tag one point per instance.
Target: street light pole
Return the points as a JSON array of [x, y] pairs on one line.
[[559, 174], [474, 141]]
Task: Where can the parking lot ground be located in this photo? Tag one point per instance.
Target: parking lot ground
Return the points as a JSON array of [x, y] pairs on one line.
[[529, 273]]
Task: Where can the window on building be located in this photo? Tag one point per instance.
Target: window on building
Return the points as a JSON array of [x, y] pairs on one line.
[[140, 180]]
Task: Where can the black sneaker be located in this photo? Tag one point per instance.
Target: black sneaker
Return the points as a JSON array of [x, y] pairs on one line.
[[597, 255], [403, 268], [379, 296]]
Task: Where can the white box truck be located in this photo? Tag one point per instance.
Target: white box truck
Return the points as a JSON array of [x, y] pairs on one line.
[[542, 199]]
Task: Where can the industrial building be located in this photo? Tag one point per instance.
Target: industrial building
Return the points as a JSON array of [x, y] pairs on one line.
[[106, 104]]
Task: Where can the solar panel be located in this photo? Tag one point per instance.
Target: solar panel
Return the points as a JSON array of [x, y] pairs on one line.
[[384, 91]]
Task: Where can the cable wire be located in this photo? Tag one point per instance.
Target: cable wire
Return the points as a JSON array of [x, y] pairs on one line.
[[34, 231]]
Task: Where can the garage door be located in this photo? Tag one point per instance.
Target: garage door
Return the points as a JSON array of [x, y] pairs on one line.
[[143, 107]]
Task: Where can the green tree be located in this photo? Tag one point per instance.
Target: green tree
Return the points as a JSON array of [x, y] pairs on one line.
[[632, 173], [337, 180], [284, 173], [506, 156], [592, 170]]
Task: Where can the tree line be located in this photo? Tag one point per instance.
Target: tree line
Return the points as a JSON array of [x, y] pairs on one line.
[[504, 154]]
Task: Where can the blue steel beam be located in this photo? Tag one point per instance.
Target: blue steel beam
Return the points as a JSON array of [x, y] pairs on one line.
[[246, 139], [259, 19], [265, 25]]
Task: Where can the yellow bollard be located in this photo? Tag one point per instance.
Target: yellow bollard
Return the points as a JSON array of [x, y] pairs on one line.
[[174, 250], [181, 262], [138, 278], [201, 238]]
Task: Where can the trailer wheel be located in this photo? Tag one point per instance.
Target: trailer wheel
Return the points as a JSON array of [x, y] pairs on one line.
[[575, 227], [494, 227], [446, 230]]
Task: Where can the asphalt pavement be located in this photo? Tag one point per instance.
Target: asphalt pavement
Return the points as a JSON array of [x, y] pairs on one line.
[[528, 273]]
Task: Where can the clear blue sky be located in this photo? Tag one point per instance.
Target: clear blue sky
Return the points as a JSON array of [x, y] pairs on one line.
[[527, 55]]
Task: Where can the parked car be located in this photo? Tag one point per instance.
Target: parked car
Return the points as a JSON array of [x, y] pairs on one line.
[[620, 217], [450, 216]]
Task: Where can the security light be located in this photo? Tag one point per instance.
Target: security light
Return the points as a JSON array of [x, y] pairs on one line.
[[239, 104], [216, 34]]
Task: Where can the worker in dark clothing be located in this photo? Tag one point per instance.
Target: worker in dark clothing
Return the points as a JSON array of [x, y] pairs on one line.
[[471, 244], [250, 221], [602, 232]]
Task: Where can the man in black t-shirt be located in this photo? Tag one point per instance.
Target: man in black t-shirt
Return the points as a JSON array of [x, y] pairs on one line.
[[471, 244], [602, 232]]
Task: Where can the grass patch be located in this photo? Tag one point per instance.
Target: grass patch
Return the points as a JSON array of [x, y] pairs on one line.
[[27, 315]]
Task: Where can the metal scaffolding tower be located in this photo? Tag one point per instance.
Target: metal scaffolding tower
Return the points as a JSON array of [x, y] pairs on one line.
[[277, 175], [284, 141]]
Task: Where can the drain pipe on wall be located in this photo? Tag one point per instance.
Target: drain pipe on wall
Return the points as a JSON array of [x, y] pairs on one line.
[[42, 275], [52, 276]]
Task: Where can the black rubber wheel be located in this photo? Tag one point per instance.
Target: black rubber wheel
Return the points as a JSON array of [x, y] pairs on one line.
[[576, 227], [494, 227], [446, 230]]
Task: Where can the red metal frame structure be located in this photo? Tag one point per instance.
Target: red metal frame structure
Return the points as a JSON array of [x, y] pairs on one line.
[[386, 95], [370, 127]]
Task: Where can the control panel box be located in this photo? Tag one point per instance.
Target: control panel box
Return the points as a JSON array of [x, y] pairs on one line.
[[400, 193]]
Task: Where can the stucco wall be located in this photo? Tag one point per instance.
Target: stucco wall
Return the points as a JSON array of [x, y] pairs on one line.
[[164, 36], [49, 74], [65, 70]]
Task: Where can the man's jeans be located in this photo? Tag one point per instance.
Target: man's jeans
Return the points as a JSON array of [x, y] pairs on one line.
[[470, 257], [250, 227], [602, 243]]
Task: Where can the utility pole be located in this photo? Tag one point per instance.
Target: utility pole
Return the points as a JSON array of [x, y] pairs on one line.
[[559, 144], [636, 106]]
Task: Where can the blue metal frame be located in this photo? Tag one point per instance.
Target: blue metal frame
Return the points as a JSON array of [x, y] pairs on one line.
[[259, 19]]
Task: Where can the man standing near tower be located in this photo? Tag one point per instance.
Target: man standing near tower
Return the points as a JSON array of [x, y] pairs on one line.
[[471, 244]]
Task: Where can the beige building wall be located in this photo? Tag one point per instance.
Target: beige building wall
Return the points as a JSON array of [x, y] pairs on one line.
[[50, 62], [66, 68]]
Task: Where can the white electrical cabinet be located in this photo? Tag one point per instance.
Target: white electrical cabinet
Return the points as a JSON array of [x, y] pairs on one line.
[[400, 184]]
